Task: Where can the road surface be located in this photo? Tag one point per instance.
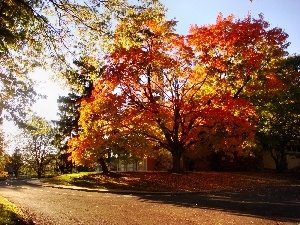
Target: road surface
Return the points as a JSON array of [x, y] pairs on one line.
[[47, 206]]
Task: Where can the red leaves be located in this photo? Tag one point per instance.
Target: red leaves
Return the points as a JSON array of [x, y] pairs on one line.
[[176, 90], [273, 83], [237, 46]]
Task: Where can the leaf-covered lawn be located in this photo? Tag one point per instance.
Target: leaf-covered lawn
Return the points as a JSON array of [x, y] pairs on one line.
[[163, 181]]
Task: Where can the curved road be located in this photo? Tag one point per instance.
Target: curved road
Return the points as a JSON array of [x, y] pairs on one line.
[[46, 205]]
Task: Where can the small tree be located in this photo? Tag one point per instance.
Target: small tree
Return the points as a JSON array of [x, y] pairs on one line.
[[16, 162], [38, 151]]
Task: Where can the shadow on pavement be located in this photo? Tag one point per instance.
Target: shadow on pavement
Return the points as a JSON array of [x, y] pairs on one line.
[[280, 203]]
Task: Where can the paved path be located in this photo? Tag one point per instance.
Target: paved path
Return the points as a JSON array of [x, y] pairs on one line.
[[47, 205]]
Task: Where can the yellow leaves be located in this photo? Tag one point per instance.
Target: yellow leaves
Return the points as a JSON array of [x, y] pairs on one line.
[[198, 73], [141, 26]]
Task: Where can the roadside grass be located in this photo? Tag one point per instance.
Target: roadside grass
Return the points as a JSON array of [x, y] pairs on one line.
[[10, 214], [164, 181], [111, 180], [70, 179]]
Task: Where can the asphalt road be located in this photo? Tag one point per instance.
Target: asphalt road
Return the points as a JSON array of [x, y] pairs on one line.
[[45, 205]]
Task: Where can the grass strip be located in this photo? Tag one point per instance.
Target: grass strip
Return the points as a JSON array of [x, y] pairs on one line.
[[10, 214]]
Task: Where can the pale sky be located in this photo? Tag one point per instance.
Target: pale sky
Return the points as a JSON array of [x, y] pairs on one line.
[[279, 13]]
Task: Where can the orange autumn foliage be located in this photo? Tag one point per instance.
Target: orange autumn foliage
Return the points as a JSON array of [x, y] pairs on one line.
[[170, 91]]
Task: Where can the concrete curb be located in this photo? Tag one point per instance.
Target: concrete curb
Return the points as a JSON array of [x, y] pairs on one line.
[[114, 191]]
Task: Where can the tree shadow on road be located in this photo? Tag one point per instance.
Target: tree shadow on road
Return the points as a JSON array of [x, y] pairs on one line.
[[280, 203]]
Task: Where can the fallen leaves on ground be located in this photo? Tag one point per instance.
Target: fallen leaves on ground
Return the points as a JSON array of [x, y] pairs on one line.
[[186, 182]]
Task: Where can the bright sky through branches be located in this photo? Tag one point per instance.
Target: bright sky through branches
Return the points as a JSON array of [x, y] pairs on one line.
[[48, 87]]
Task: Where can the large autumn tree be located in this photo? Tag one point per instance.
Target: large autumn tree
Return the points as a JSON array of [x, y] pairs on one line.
[[161, 90]]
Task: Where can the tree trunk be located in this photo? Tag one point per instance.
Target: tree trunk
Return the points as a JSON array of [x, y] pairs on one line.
[[279, 159], [281, 164], [16, 172], [103, 165], [39, 173], [176, 163]]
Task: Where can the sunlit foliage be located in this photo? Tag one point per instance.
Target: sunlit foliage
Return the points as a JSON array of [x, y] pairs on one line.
[[161, 90]]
